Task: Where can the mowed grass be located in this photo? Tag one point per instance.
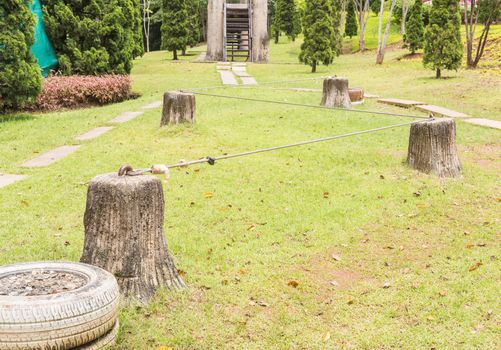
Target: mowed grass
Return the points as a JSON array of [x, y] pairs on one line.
[[243, 229]]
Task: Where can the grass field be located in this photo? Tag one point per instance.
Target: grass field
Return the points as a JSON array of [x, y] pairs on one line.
[[407, 241]]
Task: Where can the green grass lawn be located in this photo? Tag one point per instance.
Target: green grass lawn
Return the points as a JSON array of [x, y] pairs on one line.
[[279, 216]]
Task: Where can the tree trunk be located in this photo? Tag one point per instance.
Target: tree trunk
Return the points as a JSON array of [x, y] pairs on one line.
[[432, 148], [314, 67], [260, 36], [178, 107], [124, 234], [175, 55], [382, 44], [439, 73], [335, 93], [215, 30], [183, 52]]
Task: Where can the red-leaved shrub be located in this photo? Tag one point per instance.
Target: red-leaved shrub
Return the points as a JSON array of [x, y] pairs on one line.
[[60, 92]]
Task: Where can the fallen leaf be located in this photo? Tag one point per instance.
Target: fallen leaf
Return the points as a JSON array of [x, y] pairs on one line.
[[326, 336], [208, 194], [350, 300], [407, 270], [470, 245], [326, 194], [415, 285], [243, 271], [25, 202], [336, 257], [365, 240], [442, 293], [181, 273], [66, 243], [420, 205], [430, 318], [386, 285], [481, 244], [475, 266], [417, 194], [334, 283], [381, 177], [251, 227], [293, 283], [163, 347], [262, 303]]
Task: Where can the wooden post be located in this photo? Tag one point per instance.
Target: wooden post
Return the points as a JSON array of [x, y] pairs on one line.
[[178, 107], [124, 234], [432, 148], [215, 30], [335, 93]]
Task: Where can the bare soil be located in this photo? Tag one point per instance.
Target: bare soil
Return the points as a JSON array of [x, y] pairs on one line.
[[40, 282]]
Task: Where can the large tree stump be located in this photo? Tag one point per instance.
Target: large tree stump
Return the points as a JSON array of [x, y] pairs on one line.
[[335, 93], [124, 234], [178, 107], [432, 148]]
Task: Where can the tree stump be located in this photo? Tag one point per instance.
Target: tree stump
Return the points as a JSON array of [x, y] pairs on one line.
[[335, 93], [178, 107], [124, 234], [432, 148]]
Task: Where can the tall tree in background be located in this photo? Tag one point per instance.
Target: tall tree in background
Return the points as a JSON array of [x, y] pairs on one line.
[[337, 7], [318, 34], [381, 40], [414, 35], [443, 48], [363, 13], [485, 12], [351, 26], [286, 19], [175, 35], [20, 75], [375, 6], [193, 7]]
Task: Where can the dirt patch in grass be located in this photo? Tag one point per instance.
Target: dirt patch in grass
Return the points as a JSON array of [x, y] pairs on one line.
[[484, 156], [411, 56]]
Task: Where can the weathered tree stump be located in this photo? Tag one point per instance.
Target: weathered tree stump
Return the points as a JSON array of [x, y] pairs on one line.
[[432, 148], [335, 93], [124, 234], [178, 107]]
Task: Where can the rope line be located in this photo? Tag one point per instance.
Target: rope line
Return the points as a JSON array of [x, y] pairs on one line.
[[308, 106], [212, 160], [261, 83]]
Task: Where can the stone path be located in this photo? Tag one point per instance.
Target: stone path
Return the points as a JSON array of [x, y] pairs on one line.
[[248, 80], [50, 157], [125, 117], [152, 105], [228, 77], [441, 111], [485, 122], [400, 103], [7, 179], [94, 133], [230, 71]]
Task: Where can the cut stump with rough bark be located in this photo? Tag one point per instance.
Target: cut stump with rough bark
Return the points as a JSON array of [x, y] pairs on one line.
[[178, 107], [432, 148], [124, 234], [336, 93]]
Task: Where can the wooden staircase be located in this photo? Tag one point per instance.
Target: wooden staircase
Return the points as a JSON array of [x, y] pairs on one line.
[[237, 32]]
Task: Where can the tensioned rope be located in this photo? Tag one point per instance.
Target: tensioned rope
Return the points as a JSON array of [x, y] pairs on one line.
[[164, 169], [307, 106], [260, 83]]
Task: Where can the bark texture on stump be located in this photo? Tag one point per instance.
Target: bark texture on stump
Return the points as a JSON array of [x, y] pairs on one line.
[[432, 148], [335, 93], [178, 107], [124, 234]]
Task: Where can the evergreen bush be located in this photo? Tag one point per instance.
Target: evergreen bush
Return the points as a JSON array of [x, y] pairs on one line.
[[93, 37], [20, 75], [175, 26], [351, 26], [414, 35]]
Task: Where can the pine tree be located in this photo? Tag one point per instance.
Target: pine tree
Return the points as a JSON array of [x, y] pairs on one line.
[[413, 37], [94, 37], [286, 19], [375, 6], [351, 26], [193, 22], [336, 22], [175, 28], [443, 48], [319, 34], [20, 75]]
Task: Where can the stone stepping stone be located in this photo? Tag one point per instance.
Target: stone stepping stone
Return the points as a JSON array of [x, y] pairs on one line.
[[238, 64], [125, 117], [152, 105], [93, 133], [496, 124], [223, 67], [228, 78], [441, 111], [241, 74], [400, 103], [8, 179], [366, 95], [248, 81], [50, 157], [238, 68]]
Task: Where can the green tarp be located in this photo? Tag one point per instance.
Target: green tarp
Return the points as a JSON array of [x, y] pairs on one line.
[[42, 49]]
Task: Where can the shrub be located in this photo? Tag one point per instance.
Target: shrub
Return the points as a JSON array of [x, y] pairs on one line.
[[20, 76], [94, 37], [78, 91]]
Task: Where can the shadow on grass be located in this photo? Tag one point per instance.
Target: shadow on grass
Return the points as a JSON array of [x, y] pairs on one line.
[[8, 118]]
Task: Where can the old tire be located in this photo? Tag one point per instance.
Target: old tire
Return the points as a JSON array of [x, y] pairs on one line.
[[62, 320]]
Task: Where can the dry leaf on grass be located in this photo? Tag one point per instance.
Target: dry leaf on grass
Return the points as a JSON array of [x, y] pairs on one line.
[[442, 293], [336, 257], [326, 336], [475, 266], [293, 283], [208, 194]]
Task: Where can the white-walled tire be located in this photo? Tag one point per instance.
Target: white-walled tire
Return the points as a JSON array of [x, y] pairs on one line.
[[62, 320]]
